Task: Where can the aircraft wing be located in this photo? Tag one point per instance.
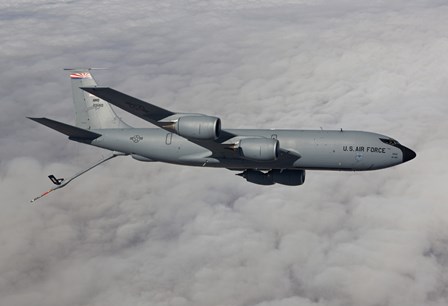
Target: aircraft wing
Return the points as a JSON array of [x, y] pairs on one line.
[[139, 108], [161, 118], [223, 147]]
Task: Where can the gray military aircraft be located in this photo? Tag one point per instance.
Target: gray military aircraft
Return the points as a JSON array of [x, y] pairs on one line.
[[265, 156]]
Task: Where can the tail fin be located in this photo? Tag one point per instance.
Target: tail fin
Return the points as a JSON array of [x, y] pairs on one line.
[[91, 112]]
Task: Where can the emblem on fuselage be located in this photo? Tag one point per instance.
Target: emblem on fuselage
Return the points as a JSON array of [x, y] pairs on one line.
[[136, 138]]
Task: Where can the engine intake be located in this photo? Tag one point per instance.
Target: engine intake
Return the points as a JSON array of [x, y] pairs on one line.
[[260, 149], [198, 127]]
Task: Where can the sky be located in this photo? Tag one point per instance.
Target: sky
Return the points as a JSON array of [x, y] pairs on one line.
[[131, 233]]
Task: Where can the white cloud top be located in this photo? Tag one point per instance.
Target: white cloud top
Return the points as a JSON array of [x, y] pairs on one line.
[[131, 233]]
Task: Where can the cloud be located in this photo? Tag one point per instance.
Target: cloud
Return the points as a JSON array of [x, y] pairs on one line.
[[132, 233]]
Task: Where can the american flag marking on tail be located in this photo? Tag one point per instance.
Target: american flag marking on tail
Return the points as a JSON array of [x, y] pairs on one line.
[[80, 75]]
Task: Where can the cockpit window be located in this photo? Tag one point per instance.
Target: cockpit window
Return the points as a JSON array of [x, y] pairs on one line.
[[389, 141]]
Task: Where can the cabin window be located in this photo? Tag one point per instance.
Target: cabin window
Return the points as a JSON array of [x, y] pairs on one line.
[[389, 141]]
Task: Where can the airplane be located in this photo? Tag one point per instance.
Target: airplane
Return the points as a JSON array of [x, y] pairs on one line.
[[264, 156]]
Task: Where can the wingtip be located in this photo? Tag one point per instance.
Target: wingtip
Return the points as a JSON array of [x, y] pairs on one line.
[[38, 120], [35, 118]]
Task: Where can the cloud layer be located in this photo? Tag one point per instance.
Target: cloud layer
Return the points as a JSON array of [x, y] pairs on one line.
[[131, 233]]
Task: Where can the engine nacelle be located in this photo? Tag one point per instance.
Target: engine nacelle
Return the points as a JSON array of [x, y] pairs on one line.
[[283, 177], [288, 177], [257, 177], [198, 127], [260, 149]]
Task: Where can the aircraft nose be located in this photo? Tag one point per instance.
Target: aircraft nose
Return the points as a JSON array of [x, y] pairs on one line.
[[408, 154]]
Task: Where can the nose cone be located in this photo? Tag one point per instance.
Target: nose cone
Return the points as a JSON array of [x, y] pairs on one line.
[[408, 154]]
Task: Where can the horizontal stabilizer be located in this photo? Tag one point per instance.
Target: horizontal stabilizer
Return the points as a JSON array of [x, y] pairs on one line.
[[69, 130]]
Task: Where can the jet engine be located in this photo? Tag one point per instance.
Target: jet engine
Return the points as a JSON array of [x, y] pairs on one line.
[[288, 177], [260, 149], [198, 127], [284, 177], [257, 177]]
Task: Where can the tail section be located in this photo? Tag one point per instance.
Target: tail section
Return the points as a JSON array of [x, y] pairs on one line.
[[91, 112]]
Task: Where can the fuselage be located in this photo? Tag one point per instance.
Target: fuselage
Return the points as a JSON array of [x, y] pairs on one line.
[[265, 156], [318, 149]]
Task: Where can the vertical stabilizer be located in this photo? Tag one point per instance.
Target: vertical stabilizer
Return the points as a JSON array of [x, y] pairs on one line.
[[91, 112]]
